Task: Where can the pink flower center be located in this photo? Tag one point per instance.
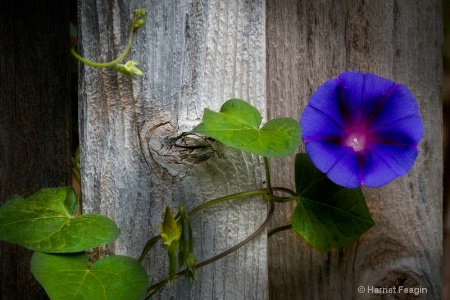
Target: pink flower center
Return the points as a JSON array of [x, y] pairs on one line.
[[357, 140]]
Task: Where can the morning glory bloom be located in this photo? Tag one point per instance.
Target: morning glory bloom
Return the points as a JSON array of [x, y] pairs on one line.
[[362, 129]]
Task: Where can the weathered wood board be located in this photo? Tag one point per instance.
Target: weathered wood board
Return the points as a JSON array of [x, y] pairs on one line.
[[309, 42], [195, 54]]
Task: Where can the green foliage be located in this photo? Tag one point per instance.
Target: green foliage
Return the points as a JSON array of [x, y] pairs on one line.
[[46, 222], [327, 215], [237, 125], [68, 277]]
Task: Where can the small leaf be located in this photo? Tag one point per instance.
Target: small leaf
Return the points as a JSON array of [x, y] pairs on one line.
[[46, 222], [237, 125], [68, 277], [327, 215], [129, 69]]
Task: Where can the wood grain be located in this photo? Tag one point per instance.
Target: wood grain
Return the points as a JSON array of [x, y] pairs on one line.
[[311, 41], [195, 54]]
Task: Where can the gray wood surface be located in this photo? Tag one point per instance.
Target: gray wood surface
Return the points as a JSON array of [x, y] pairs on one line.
[[309, 42], [195, 54]]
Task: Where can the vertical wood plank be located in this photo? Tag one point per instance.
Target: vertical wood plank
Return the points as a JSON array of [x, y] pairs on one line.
[[311, 41], [34, 118], [195, 54]]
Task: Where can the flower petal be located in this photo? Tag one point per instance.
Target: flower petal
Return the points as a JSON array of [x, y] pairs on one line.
[[318, 125], [384, 163], [340, 163], [400, 113], [407, 131], [363, 92], [347, 170], [326, 100]]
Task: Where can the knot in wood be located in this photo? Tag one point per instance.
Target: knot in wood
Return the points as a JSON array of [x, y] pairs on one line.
[[163, 146]]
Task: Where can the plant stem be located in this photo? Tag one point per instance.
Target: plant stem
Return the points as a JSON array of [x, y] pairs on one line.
[[190, 235], [283, 199], [156, 287], [226, 198], [286, 190], [111, 63], [148, 246], [278, 229], [265, 192], [251, 237], [267, 169], [160, 284]]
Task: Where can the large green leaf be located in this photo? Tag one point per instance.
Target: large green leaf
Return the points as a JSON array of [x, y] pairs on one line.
[[237, 125], [46, 222], [327, 215], [68, 277]]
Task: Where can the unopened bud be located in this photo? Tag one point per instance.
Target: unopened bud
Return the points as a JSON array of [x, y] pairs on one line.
[[140, 12], [139, 23]]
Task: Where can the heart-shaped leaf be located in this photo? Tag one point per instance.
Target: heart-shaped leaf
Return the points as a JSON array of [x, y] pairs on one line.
[[237, 125], [46, 222], [327, 215], [68, 277]]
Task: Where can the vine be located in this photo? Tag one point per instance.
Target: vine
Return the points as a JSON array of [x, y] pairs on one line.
[[129, 68]]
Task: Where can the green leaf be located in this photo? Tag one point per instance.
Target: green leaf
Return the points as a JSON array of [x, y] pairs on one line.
[[129, 68], [327, 215], [237, 125], [46, 222], [68, 277]]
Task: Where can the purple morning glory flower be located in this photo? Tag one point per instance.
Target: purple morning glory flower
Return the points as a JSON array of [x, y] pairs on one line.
[[362, 129]]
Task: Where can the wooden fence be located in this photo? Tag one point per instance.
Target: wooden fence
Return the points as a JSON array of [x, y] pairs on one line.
[[197, 54]]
